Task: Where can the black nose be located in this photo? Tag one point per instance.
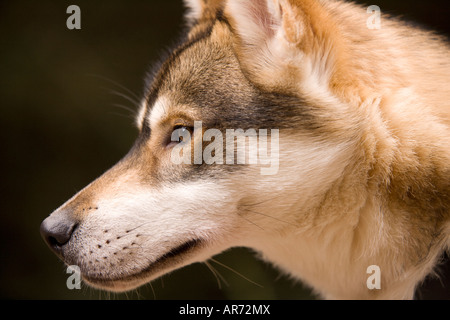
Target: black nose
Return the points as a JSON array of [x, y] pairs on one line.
[[57, 230]]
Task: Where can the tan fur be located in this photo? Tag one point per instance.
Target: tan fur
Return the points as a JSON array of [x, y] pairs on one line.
[[364, 174], [395, 193]]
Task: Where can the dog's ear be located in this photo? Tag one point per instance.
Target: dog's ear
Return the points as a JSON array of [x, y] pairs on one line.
[[273, 34], [261, 21], [198, 10]]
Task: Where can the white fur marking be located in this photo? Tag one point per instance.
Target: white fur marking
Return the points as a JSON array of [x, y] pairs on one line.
[[194, 10], [159, 111], [141, 114]]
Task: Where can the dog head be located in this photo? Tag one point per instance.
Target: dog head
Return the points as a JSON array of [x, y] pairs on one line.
[[180, 195]]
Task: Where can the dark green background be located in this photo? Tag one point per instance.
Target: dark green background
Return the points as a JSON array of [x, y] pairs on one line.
[[61, 127]]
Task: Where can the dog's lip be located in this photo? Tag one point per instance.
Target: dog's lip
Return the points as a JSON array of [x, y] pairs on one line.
[[159, 264]]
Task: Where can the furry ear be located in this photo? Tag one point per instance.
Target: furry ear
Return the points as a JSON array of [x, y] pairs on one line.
[[194, 10], [260, 21], [271, 36], [198, 10], [290, 44]]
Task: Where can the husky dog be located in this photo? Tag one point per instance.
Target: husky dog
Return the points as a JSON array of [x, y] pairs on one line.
[[362, 118]]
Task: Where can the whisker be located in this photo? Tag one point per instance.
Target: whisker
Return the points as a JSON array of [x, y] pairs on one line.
[[130, 99], [128, 231], [239, 274], [260, 202], [133, 94], [137, 293], [248, 220], [123, 107], [220, 276], [153, 291], [127, 116], [217, 275], [266, 215]]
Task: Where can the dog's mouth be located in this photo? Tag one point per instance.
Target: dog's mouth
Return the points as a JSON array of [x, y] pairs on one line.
[[170, 260]]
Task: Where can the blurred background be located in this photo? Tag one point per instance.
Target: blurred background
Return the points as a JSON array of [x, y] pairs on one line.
[[67, 103]]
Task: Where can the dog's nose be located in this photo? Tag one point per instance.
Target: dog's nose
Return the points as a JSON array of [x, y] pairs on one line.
[[57, 230]]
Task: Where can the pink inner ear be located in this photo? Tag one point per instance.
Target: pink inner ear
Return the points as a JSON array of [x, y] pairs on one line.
[[259, 12]]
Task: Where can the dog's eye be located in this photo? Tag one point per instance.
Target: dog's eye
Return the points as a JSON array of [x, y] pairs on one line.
[[180, 134]]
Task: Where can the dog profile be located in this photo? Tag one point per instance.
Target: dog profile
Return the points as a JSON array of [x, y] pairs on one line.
[[356, 125]]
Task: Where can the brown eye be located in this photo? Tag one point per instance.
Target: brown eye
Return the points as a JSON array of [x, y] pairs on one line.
[[180, 134]]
